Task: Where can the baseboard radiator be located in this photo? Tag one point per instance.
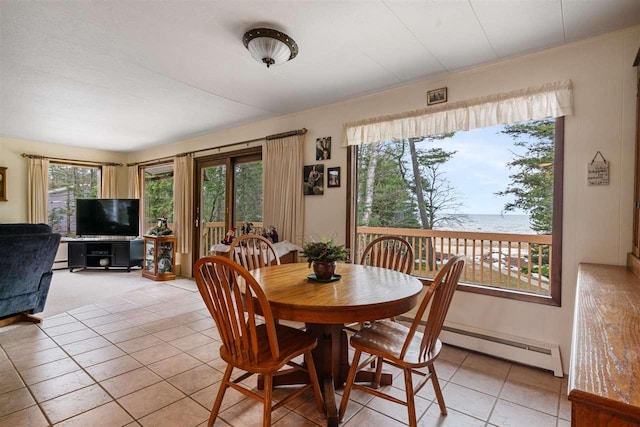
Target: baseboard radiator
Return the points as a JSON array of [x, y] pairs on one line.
[[516, 349]]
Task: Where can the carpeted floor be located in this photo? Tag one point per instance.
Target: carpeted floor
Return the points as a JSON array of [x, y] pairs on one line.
[[77, 289]]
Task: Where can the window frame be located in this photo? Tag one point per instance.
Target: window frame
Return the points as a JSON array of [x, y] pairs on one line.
[[555, 292], [77, 165], [143, 197], [230, 159]]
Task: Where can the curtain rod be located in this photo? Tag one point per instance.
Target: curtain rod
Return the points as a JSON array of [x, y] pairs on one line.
[[83, 162], [233, 144]]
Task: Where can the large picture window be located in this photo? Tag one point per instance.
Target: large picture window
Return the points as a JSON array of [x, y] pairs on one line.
[[491, 194], [66, 184]]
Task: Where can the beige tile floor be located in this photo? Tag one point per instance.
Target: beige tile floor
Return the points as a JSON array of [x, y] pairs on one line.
[[150, 357]]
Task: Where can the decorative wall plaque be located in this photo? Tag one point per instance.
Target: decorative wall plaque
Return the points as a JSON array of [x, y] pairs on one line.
[[598, 171]]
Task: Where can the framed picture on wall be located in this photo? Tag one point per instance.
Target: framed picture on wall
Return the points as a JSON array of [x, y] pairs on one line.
[[437, 96], [333, 177], [3, 184], [323, 148], [313, 177]]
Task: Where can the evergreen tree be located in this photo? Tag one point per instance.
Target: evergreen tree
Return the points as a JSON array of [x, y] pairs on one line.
[[158, 197], [532, 182], [214, 188], [248, 192], [66, 184]]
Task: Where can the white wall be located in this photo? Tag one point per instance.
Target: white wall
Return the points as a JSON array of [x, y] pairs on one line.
[[15, 209], [597, 220]]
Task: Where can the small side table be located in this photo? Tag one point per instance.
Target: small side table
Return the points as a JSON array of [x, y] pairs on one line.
[[159, 257]]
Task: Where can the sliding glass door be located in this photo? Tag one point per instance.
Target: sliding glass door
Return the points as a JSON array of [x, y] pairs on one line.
[[228, 194], [212, 209]]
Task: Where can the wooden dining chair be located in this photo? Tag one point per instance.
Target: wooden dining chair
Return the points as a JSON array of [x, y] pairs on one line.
[[406, 347], [390, 252], [256, 346], [253, 251]]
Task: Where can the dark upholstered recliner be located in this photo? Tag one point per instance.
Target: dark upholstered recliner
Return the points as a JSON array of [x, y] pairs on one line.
[[27, 252]]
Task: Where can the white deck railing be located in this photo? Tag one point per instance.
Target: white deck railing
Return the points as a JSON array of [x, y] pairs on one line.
[[508, 261], [500, 260], [214, 232]]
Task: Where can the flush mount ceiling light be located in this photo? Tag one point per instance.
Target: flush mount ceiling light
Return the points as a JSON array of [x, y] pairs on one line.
[[269, 46]]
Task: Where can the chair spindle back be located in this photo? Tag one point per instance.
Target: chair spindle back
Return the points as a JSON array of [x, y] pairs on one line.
[[253, 251], [441, 292], [229, 291], [390, 252]]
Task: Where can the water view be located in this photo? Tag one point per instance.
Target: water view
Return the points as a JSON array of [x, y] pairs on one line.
[[485, 223]]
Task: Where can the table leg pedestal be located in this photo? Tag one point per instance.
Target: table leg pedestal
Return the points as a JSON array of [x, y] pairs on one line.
[[332, 363]]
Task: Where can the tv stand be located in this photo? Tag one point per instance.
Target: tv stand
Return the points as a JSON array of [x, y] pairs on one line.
[[106, 254]]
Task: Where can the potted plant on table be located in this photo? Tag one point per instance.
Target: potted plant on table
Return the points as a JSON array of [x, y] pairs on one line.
[[323, 256]]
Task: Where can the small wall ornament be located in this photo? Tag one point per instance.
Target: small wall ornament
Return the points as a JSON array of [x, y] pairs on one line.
[[598, 171]]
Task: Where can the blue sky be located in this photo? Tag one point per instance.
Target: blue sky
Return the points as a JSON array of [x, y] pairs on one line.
[[478, 170]]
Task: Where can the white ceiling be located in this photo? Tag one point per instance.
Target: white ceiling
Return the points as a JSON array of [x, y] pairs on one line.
[[126, 75]]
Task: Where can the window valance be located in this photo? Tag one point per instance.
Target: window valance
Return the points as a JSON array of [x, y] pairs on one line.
[[534, 103]]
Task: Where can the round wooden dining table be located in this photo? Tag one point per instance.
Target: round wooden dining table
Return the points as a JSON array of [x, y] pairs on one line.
[[362, 293]]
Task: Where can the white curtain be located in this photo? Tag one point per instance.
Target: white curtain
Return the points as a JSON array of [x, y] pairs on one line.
[[109, 187], [183, 199], [534, 103], [133, 182], [283, 207], [38, 190]]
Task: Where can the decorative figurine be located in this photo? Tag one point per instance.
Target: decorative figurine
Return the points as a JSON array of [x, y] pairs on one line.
[[247, 227], [228, 238], [161, 229], [271, 234]]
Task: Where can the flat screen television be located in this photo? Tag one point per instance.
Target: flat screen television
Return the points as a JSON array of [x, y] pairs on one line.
[[107, 217]]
